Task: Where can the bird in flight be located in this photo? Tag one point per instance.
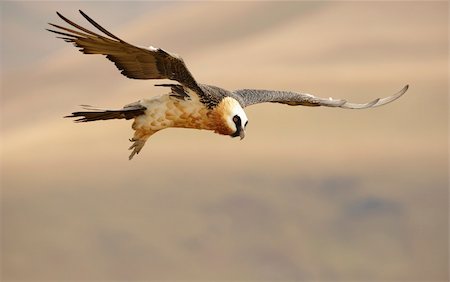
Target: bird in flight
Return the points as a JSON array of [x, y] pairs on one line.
[[188, 104]]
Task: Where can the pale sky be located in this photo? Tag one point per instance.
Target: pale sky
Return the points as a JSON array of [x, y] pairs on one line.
[[310, 194]]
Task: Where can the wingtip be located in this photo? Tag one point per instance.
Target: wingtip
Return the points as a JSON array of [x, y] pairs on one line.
[[62, 17], [52, 24], [84, 15], [402, 91], [405, 88], [392, 98]]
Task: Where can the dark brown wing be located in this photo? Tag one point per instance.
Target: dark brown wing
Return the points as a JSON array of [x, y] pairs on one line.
[[253, 96], [133, 62]]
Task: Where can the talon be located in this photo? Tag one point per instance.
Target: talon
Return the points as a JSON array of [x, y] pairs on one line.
[[138, 140]]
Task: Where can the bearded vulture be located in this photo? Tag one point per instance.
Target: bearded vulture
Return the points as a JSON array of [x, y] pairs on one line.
[[188, 104]]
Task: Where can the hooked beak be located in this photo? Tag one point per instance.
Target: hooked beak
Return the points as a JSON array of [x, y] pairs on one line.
[[242, 134]]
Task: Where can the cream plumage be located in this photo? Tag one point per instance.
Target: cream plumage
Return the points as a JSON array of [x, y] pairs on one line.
[[188, 104]]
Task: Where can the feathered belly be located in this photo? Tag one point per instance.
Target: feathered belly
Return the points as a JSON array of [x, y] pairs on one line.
[[164, 112]]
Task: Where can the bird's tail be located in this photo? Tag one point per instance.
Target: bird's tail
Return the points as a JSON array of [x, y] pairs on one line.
[[93, 114]]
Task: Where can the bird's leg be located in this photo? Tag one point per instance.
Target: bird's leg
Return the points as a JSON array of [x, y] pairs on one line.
[[139, 139]]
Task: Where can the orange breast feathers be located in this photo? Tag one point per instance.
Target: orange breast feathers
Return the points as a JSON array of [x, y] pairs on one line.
[[165, 111]]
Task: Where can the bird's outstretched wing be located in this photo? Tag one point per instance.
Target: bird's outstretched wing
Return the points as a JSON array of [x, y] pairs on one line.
[[249, 97], [133, 62]]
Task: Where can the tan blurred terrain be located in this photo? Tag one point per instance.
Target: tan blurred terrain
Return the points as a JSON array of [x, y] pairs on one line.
[[309, 194]]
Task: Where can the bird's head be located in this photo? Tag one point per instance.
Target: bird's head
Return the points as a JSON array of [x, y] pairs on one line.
[[233, 119]]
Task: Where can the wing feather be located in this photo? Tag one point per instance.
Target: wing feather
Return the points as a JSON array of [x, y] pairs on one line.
[[133, 61], [249, 97]]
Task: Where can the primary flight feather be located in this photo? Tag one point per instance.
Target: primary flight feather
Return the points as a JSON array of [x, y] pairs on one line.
[[188, 104]]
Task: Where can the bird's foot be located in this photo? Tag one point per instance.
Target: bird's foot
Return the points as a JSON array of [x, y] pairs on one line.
[[137, 146]]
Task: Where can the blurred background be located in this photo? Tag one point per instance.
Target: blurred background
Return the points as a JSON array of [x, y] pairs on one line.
[[310, 193]]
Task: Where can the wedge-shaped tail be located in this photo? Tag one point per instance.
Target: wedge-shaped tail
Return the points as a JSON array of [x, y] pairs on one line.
[[93, 114]]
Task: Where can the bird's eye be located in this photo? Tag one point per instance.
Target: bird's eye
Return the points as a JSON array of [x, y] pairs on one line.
[[236, 119]]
